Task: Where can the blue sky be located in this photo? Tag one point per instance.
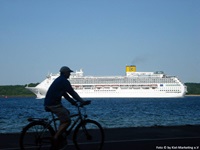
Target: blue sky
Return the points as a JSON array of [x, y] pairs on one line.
[[37, 37]]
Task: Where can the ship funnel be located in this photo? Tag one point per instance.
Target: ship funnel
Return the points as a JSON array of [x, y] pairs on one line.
[[130, 70]]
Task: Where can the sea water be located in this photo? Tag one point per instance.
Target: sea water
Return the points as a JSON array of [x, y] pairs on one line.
[[111, 113]]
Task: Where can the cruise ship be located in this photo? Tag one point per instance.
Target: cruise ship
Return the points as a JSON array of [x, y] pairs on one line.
[[133, 85]]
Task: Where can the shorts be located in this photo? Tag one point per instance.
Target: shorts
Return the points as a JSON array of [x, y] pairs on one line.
[[61, 112]]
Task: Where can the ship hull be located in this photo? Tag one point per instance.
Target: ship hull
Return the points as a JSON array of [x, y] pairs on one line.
[[128, 94]]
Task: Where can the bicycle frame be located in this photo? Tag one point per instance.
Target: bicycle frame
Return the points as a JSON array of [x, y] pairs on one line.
[[79, 115]]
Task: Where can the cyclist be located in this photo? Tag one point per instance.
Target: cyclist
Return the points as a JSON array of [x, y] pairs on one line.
[[61, 87]]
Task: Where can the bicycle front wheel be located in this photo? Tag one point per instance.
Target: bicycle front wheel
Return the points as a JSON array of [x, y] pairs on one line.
[[36, 135], [89, 135]]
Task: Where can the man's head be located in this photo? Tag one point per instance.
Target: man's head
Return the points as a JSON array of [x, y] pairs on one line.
[[65, 71]]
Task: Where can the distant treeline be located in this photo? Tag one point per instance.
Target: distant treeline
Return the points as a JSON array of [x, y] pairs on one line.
[[20, 90], [193, 88], [16, 90]]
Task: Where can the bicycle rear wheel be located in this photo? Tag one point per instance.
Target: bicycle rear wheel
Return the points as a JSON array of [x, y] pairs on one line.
[[36, 135], [88, 135]]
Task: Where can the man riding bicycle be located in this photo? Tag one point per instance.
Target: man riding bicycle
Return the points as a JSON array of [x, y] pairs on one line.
[[61, 87]]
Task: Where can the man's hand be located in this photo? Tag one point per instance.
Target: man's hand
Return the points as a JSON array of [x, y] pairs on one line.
[[86, 102], [73, 103]]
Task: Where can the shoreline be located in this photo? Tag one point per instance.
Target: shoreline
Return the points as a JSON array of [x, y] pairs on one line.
[[19, 96], [33, 96], [193, 95]]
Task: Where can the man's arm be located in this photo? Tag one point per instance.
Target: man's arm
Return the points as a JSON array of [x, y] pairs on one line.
[[67, 97], [73, 93], [76, 96]]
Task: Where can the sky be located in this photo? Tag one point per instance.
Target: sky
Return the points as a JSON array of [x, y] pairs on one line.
[[38, 37]]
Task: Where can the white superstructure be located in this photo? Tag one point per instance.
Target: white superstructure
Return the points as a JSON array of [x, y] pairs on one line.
[[133, 85]]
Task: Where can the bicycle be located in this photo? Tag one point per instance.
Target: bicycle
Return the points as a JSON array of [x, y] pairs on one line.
[[39, 132]]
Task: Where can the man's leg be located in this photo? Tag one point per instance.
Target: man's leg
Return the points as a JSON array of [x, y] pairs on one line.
[[63, 114], [65, 121], [63, 126]]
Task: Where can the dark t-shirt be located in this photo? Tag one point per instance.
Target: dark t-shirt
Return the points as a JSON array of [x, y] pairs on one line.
[[60, 87]]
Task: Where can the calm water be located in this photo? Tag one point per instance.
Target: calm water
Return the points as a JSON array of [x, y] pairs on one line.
[[109, 112]]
